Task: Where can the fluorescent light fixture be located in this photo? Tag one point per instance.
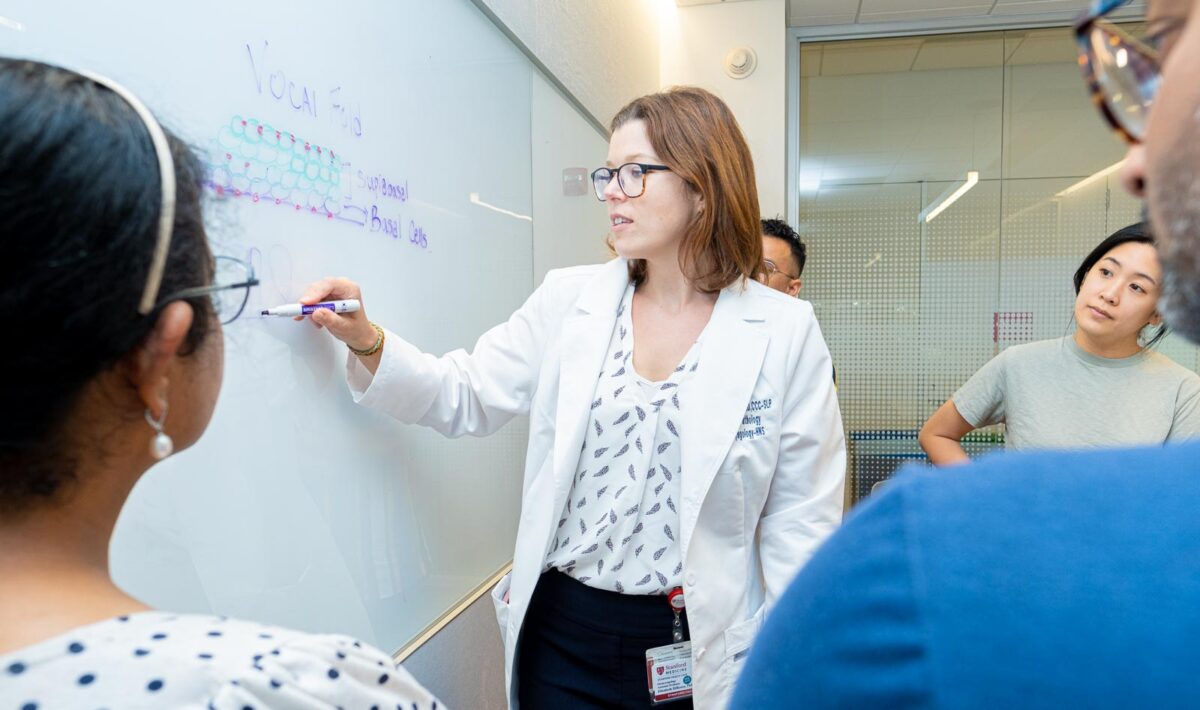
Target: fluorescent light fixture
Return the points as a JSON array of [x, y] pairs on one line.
[[947, 198], [1092, 178], [11, 24], [474, 197]]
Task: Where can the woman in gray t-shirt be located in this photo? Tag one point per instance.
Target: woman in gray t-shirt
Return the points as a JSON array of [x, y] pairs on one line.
[[1100, 386]]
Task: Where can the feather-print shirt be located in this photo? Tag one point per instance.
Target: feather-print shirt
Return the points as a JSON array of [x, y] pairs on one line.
[[619, 529]]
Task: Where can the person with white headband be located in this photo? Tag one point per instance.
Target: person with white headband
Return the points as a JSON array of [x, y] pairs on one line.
[[116, 304]]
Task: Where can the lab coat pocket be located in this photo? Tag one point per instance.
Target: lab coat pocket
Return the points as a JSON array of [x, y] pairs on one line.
[[738, 640], [740, 636], [500, 602]]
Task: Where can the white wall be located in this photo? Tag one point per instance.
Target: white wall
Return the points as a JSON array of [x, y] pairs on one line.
[[695, 40], [568, 228], [605, 52]]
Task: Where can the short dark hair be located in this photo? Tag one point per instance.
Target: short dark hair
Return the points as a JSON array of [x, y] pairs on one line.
[[80, 196], [1139, 233], [782, 230]]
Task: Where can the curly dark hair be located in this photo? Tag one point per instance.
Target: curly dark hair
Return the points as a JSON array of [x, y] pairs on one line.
[[782, 230], [80, 196]]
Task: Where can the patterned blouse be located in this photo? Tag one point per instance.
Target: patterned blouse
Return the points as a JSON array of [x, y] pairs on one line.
[[619, 529]]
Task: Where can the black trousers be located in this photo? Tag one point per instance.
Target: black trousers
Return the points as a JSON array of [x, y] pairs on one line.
[[586, 648]]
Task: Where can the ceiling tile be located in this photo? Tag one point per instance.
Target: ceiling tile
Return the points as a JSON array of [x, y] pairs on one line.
[[925, 14], [1044, 47], [872, 58], [961, 52], [802, 13], [878, 6], [822, 20], [810, 60], [1019, 7]]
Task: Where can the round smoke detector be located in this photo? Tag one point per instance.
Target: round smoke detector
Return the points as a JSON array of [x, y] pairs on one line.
[[740, 62]]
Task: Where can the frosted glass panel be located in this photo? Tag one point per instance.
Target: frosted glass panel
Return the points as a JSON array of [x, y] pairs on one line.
[[912, 309]]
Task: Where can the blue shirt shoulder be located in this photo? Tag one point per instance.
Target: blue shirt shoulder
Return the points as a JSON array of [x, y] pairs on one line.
[[1040, 579]]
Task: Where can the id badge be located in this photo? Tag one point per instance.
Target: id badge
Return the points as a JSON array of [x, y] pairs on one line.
[[669, 672]]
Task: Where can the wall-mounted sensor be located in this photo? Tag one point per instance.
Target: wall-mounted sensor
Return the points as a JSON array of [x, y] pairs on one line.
[[575, 182], [740, 62]]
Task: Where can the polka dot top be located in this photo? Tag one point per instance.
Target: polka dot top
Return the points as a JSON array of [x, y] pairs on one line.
[[163, 660]]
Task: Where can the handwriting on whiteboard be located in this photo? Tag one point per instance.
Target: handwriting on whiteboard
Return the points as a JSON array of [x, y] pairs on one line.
[[265, 164], [270, 79], [262, 162], [391, 226], [381, 186]]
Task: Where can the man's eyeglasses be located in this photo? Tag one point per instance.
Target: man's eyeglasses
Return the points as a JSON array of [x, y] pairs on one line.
[[230, 289], [631, 178], [770, 268], [1121, 71]]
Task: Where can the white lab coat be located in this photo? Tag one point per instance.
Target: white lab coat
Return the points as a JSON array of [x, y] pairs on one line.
[[763, 452]]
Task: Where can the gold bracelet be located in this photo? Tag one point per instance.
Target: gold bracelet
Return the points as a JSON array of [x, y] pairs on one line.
[[374, 348]]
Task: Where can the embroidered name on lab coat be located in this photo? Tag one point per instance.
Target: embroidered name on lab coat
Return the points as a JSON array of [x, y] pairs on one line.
[[752, 422]]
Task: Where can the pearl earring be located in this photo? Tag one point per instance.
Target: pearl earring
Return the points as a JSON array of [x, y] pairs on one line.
[[161, 445]]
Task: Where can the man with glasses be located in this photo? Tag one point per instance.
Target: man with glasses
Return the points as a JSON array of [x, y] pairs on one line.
[[1031, 580], [783, 257]]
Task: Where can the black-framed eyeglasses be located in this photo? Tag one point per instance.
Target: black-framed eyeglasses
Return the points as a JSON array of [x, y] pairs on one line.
[[229, 291], [1122, 72], [631, 178], [770, 268]]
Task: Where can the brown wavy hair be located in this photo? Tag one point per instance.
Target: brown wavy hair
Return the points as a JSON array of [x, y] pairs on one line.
[[695, 134]]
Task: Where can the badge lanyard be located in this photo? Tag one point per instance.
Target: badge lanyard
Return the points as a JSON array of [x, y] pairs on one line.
[[669, 668], [676, 600]]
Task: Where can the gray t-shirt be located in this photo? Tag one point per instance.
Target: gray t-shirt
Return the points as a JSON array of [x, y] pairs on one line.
[[1053, 394]]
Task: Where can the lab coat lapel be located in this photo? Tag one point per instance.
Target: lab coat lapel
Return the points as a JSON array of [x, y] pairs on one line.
[[585, 337], [731, 356]]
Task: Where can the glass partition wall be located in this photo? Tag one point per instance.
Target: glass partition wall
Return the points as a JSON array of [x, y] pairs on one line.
[[949, 186]]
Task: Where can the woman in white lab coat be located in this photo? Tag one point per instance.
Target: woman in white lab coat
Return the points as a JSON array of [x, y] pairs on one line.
[[685, 450]]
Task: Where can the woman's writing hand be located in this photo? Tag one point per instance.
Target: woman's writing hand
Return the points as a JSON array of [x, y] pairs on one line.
[[353, 329]]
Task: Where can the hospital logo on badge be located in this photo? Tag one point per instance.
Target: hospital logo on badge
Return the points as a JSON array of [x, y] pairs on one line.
[[661, 670]]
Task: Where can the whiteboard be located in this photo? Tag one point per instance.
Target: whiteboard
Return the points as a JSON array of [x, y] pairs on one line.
[[385, 141]]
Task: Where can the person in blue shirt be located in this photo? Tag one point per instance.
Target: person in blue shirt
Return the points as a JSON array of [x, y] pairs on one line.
[[1047, 579]]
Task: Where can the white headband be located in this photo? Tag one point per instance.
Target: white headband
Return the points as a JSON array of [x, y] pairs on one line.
[[166, 171]]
